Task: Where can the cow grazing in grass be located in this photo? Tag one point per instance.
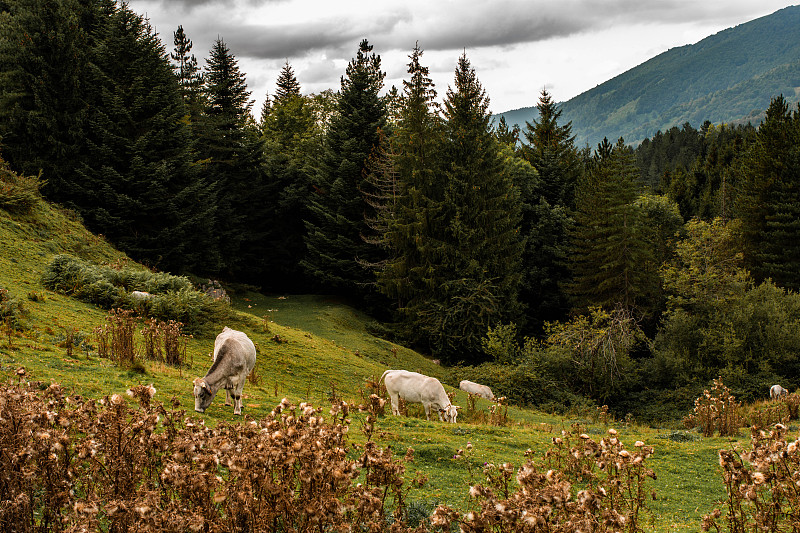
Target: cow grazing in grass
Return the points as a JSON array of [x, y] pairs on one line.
[[417, 388], [776, 392], [476, 388], [234, 358]]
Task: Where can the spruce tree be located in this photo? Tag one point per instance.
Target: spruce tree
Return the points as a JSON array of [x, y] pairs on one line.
[[336, 223], [190, 79], [45, 48], [287, 84], [293, 142], [412, 157], [548, 201], [230, 143], [476, 278], [550, 148], [611, 257], [768, 201], [142, 190]]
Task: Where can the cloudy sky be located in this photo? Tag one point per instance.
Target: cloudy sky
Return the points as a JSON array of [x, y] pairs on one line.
[[517, 47]]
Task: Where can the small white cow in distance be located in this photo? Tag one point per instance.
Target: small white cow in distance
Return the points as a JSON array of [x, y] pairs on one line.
[[417, 388], [476, 388], [234, 358], [776, 392], [140, 295]]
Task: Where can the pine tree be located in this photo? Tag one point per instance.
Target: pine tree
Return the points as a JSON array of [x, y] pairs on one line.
[[266, 109], [548, 201], [410, 170], [550, 149], [476, 278], [293, 145], [190, 79], [611, 257], [287, 84], [769, 198], [141, 189], [230, 142], [336, 220], [45, 50]]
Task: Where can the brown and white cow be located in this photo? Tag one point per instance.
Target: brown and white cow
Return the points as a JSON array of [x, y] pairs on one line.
[[234, 358]]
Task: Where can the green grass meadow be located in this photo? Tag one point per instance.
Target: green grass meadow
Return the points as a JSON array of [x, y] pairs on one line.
[[313, 348]]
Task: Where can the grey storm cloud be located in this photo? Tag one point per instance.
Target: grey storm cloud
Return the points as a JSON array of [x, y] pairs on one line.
[[435, 25]]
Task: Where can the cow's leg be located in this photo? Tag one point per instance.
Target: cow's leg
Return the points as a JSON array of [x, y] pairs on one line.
[[427, 407], [395, 402], [237, 399], [227, 397]]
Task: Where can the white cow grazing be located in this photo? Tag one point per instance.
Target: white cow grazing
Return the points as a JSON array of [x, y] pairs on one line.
[[776, 392], [141, 295], [417, 388], [476, 388], [234, 358]]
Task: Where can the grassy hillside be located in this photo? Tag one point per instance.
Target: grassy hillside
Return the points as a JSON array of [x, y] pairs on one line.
[[313, 348], [728, 77]]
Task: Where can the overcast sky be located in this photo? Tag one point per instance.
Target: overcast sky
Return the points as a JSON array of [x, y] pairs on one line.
[[517, 47]]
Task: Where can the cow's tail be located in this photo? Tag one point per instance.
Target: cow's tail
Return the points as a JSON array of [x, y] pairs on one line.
[[383, 376]]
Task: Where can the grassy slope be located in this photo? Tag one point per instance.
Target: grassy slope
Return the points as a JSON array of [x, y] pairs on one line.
[[327, 349]]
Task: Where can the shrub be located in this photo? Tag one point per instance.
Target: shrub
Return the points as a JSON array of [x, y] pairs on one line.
[[500, 344], [172, 297], [716, 410], [760, 484], [612, 492], [18, 193], [74, 464]]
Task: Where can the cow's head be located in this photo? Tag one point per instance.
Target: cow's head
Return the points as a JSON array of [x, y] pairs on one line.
[[450, 413], [202, 395]]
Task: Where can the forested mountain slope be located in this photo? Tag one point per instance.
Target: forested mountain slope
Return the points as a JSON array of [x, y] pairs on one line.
[[728, 77]]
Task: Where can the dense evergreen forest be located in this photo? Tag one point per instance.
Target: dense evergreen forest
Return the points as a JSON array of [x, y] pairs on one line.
[[614, 275]]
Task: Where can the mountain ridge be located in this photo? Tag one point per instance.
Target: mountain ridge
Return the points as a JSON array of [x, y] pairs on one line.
[[688, 84]]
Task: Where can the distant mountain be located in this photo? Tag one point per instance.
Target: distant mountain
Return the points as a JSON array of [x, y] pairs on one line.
[[728, 77]]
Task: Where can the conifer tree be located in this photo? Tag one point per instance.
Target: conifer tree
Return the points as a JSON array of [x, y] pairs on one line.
[[141, 189], [266, 109], [45, 49], [190, 79], [475, 281], [410, 184], [768, 202], [611, 257], [229, 140], [548, 147], [287, 84], [336, 220], [293, 145]]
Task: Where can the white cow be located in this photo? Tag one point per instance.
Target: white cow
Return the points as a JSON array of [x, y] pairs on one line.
[[234, 358], [417, 388], [140, 295], [476, 388], [776, 392]]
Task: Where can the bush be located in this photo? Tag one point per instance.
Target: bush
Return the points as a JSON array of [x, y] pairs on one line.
[[18, 193], [172, 297], [612, 492], [761, 485], [74, 464], [716, 410]]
